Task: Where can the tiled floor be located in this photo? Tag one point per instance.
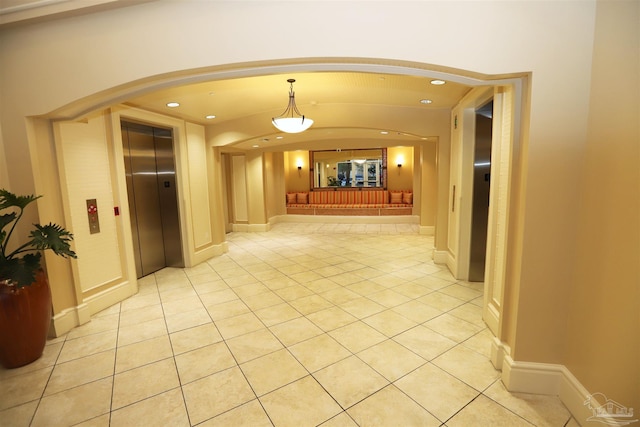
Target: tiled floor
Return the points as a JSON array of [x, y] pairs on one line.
[[308, 324]]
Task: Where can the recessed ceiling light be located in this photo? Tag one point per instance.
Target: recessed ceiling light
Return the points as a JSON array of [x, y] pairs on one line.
[[437, 82], [279, 137], [211, 116], [384, 132], [256, 146], [425, 101], [172, 104]]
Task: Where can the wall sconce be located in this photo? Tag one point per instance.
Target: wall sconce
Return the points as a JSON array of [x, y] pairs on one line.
[[399, 165], [299, 165], [400, 161]]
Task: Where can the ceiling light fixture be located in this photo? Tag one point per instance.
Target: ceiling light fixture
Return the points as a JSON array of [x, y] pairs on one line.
[[437, 82], [172, 104], [209, 117], [287, 121], [426, 101]]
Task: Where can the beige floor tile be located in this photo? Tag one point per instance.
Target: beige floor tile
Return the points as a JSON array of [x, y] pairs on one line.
[[141, 314], [391, 360], [187, 319], [364, 287], [340, 420], [277, 314], [215, 394], [339, 295], [203, 362], [537, 409], [322, 285], [417, 311], [388, 298], [480, 342], [250, 290], [210, 286], [357, 336], [141, 332], [267, 299], [389, 323], [99, 421], [468, 366], [239, 325], [218, 297], [301, 403], [140, 300], [272, 371], [391, 407], [142, 353], [362, 307], [310, 304], [319, 352], [74, 405], [253, 345], [412, 290], [166, 409], [442, 302], [438, 392], [425, 342], [96, 325], [143, 382], [250, 414], [23, 388], [227, 309], [295, 331], [293, 292], [181, 304], [331, 318], [19, 416], [80, 371], [464, 293], [452, 327], [485, 411], [350, 380], [87, 345], [192, 338]]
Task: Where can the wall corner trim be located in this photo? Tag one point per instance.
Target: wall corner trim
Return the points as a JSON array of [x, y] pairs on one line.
[[548, 379]]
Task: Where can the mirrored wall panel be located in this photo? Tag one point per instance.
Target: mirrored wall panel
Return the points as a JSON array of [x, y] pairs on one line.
[[349, 168]]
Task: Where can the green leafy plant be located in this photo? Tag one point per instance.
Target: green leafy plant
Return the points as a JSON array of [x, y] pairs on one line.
[[19, 266]]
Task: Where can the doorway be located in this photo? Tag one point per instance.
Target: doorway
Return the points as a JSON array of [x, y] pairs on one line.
[[481, 185], [153, 203]]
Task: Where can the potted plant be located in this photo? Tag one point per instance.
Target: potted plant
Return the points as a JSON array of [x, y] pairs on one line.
[[25, 297]]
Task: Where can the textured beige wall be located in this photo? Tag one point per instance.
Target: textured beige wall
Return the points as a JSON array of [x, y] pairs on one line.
[[603, 336]]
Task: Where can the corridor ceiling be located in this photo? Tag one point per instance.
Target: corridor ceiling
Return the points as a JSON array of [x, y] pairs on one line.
[[346, 106]]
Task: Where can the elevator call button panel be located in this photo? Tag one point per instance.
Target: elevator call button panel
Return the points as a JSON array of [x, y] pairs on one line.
[[92, 213]]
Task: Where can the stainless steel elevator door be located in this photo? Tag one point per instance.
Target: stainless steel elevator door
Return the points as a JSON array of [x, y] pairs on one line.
[[151, 189], [481, 186]]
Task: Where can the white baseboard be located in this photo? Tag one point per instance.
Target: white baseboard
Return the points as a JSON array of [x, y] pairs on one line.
[[543, 378], [69, 318], [440, 257], [427, 230], [250, 228], [212, 251]]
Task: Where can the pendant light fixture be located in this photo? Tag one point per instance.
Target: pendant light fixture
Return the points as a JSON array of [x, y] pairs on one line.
[[291, 120]]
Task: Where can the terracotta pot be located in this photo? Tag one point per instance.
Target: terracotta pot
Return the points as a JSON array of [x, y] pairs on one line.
[[25, 315]]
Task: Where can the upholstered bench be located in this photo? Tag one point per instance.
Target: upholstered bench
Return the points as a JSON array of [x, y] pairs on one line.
[[365, 202]]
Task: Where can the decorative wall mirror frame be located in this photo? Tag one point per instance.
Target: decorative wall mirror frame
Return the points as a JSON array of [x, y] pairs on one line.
[[356, 168]]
